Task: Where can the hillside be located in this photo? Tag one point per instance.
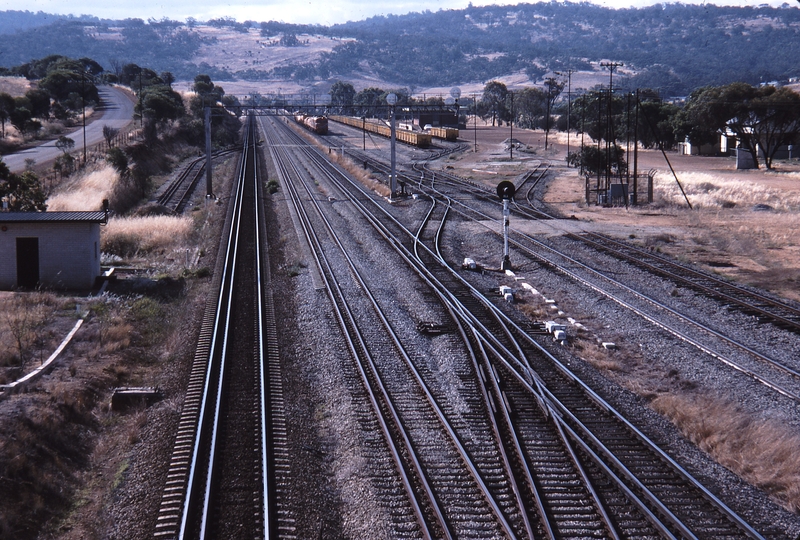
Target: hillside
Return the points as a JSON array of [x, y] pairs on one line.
[[671, 47]]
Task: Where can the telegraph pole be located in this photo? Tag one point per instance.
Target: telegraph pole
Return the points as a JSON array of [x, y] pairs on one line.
[[83, 107], [207, 129], [475, 120], [611, 66], [511, 140], [391, 99], [569, 102], [549, 82]]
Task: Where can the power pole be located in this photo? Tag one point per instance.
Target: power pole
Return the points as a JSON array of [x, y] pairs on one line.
[[549, 82], [83, 107], [511, 140], [569, 101], [475, 120], [611, 66], [391, 99], [207, 129]]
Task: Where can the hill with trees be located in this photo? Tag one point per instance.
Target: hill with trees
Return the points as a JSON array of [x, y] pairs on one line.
[[672, 47]]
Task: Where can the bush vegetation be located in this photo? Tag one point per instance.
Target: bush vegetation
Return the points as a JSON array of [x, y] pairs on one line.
[[129, 236], [762, 452]]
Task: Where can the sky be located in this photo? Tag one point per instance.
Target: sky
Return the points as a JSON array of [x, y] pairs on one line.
[[325, 12]]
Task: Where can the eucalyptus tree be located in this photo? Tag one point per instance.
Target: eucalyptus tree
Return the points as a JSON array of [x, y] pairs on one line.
[[762, 118], [494, 102]]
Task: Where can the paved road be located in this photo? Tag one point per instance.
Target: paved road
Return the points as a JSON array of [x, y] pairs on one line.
[[117, 112]]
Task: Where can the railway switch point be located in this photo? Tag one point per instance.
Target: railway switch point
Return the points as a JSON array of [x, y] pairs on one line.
[[554, 327], [507, 293]]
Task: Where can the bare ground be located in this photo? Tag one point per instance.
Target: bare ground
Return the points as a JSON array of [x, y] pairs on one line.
[[741, 225]]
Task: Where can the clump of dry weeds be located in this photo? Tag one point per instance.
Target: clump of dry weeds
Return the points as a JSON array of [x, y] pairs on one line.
[[84, 191], [715, 191], [763, 452], [24, 332], [128, 236]]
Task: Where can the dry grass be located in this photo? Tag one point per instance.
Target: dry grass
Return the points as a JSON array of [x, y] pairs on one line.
[[362, 176], [716, 191], [762, 451], [25, 334], [129, 236], [605, 360], [85, 191], [15, 86]]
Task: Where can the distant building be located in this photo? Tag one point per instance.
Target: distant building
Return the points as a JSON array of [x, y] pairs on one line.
[[436, 118], [58, 250]]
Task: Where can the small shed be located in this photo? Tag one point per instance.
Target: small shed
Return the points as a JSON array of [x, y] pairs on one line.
[[59, 250]]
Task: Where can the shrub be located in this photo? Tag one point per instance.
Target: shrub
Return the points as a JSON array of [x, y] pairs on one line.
[[128, 236]]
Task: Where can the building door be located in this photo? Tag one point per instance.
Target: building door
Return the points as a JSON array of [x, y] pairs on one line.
[[27, 262]]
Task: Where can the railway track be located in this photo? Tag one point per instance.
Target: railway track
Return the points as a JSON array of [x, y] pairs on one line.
[[223, 480], [456, 486], [615, 446], [610, 451], [179, 191], [766, 309], [757, 363], [525, 450]]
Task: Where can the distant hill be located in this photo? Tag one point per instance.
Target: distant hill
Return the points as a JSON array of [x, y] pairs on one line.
[[12, 22], [671, 47]]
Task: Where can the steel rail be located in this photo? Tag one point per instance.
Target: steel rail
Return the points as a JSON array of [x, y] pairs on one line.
[[422, 385], [222, 311], [265, 325], [420, 381], [215, 424], [516, 449], [381, 227], [717, 289], [538, 255], [480, 334], [178, 191], [347, 321], [689, 478], [199, 492]]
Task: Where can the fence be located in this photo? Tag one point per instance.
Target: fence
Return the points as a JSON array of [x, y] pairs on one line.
[[634, 191]]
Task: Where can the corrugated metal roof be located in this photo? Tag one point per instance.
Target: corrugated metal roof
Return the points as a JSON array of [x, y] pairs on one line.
[[72, 217]]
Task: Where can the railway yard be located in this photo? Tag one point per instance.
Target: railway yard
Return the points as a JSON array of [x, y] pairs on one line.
[[355, 376]]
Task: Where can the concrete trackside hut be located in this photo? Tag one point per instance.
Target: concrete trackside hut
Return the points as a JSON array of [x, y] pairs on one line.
[[58, 250]]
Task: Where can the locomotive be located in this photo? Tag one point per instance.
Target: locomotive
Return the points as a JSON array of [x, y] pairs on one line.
[[317, 124]]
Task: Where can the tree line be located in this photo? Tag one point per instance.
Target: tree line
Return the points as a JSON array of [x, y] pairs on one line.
[[761, 119], [64, 87], [671, 47]]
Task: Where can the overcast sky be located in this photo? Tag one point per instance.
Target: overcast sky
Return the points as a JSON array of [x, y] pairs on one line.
[[324, 12]]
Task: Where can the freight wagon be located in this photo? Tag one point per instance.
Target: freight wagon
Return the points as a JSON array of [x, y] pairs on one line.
[[448, 134], [414, 138]]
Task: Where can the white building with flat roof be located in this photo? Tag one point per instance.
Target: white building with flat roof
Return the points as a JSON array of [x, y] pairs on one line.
[[56, 250]]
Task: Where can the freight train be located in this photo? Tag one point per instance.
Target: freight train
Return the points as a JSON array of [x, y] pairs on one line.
[[317, 124], [414, 138]]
